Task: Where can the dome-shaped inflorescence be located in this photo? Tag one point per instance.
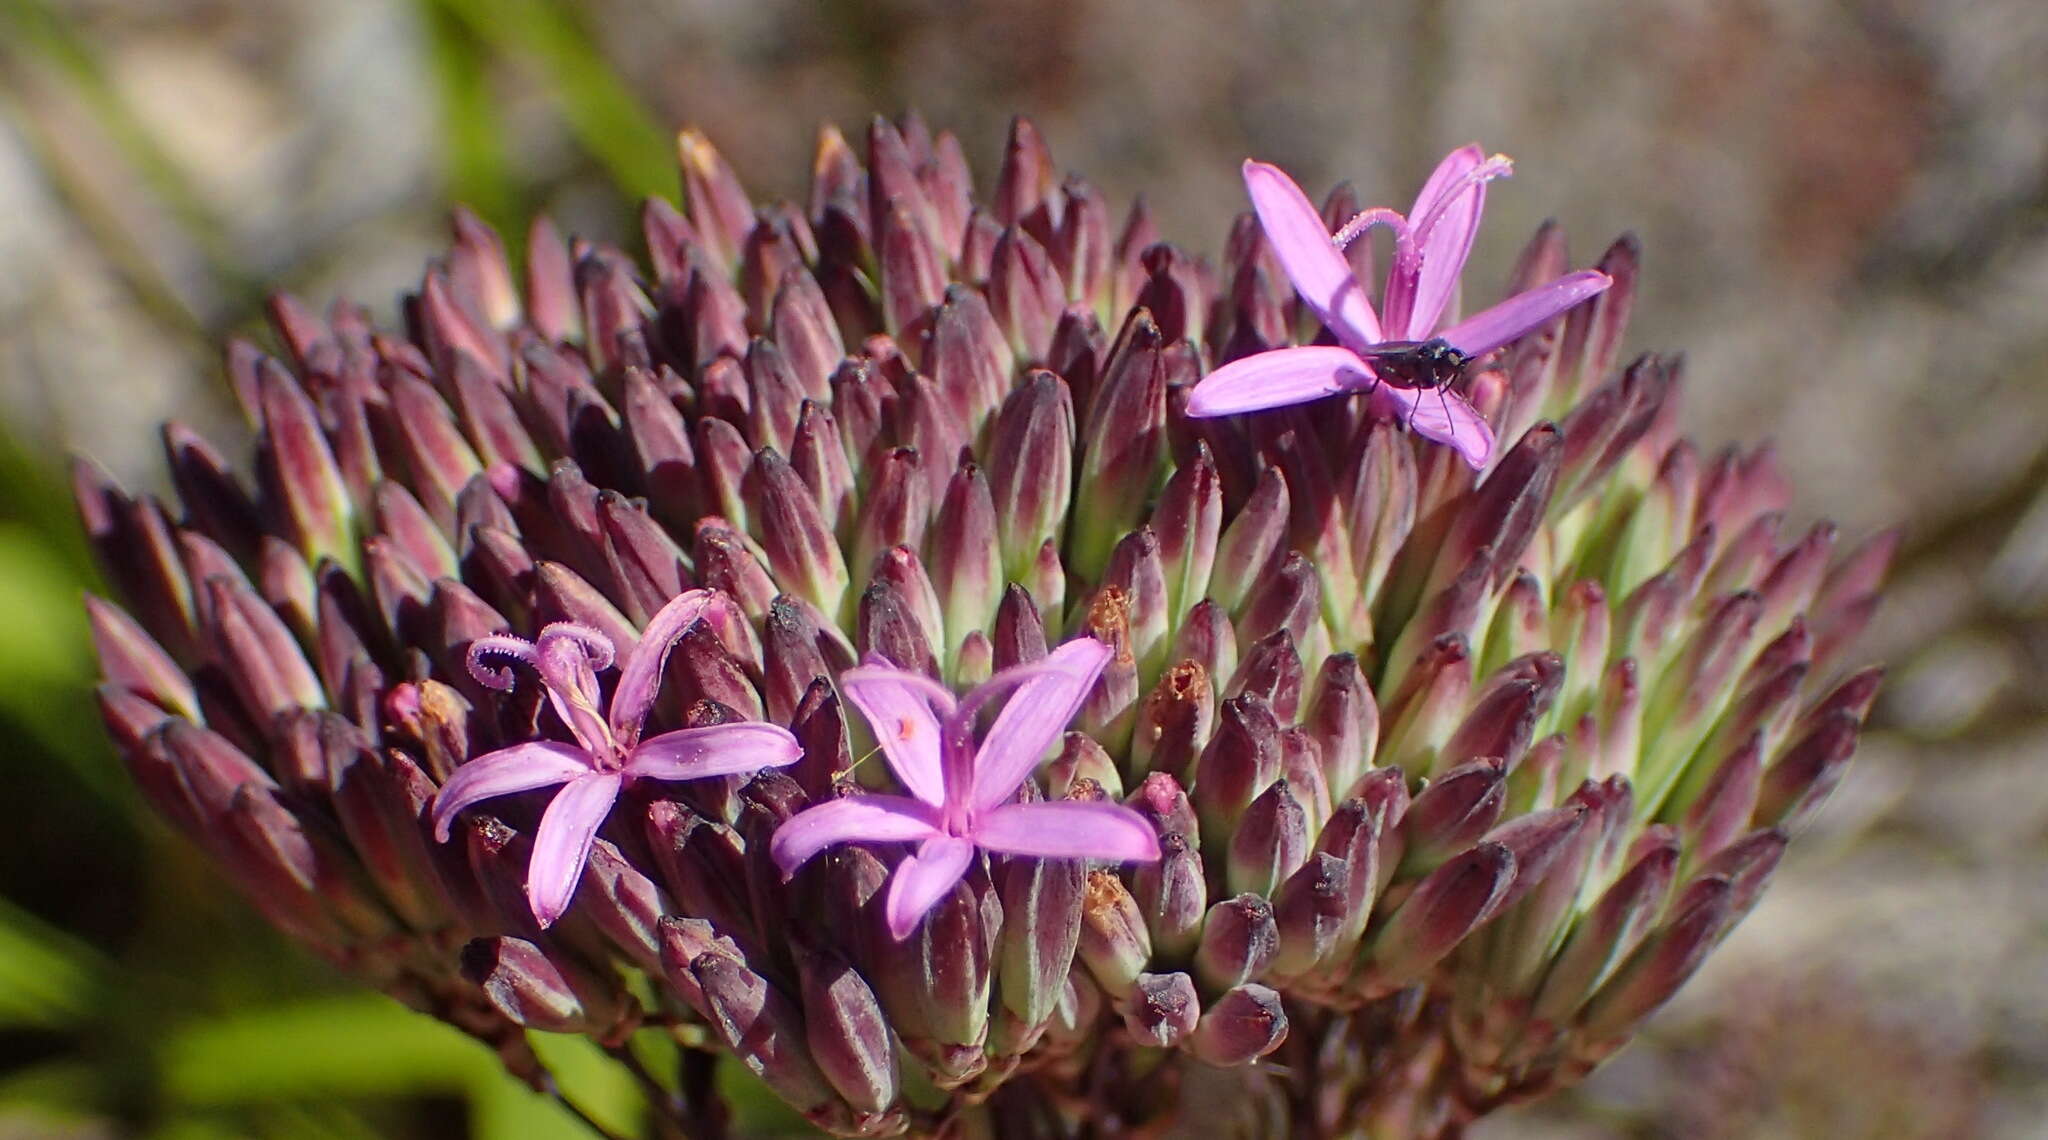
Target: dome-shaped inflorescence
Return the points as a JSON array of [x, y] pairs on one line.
[[1434, 780]]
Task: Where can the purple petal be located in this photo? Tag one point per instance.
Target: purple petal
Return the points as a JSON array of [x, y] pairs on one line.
[[923, 879], [1066, 830], [854, 819], [568, 657], [898, 706], [562, 844], [1294, 228], [1446, 417], [715, 750], [1034, 717], [520, 768], [1449, 172], [1524, 312], [1444, 222], [1278, 378], [640, 676], [1404, 276]]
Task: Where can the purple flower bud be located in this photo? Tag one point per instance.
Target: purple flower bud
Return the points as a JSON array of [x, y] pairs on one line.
[[1019, 635], [1172, 895], [1615, 925], [435, 451], [1025, 293], [1238, 1028], [562, 595], [1239, 939], [890, 625], [1312, 914], [1452, 612], [1121, 447], [131, 659], [261, 657], [1030, 474], [550, 305], [1241, 759], [623, 904], [1431, 695], [1188, 521], [1135, 569], [1272, 671], [775, 395], [298, 471], [1289, 600], [215, 502], [1799, 779], [894, 510], [1747, 864], [1660, 965], [523, 983], [1344, 720], [725, 466], [1445, 906], [703, 866], [718, 205], [1115, 942], [1718, 795], [1358, 835], [1541, 842], [951, 956], [763, 1030], [965, 559], [1207, 638], [800, 548], [1500, 724], [1110, 712], [1251, 544], [1083, 763], [847, 1032], [1041, 931], [913, 280], [1079, 351], [702, 669], [1162, 1009], [968, 356], [294, 873], [382, 802], [725, 563], [1173, 721], [1271, 840], [1451, 813]]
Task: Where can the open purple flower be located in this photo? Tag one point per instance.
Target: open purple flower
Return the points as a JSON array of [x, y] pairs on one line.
[[960, 795], [1430, 247], [608, 751]]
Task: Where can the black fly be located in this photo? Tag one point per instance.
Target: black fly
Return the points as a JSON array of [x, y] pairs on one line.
[[1427, 364], [1432, 365]]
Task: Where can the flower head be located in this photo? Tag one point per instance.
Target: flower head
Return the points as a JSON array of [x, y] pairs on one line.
[[961, 795], [1498, 760], [1431, 244], [608, 751]]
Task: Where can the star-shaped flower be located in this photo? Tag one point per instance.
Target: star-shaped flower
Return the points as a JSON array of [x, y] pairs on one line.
[[1430, 247], [960, 794], [607, 752]]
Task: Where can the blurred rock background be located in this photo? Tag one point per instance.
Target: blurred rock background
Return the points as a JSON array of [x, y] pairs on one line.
[[1845, 206]]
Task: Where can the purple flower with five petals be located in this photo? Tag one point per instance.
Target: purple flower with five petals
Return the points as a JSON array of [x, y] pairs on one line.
[[1430, 247], [960, 794], [608, 751]]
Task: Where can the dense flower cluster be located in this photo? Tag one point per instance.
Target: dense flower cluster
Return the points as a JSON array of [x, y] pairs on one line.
[[1397, 780]]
